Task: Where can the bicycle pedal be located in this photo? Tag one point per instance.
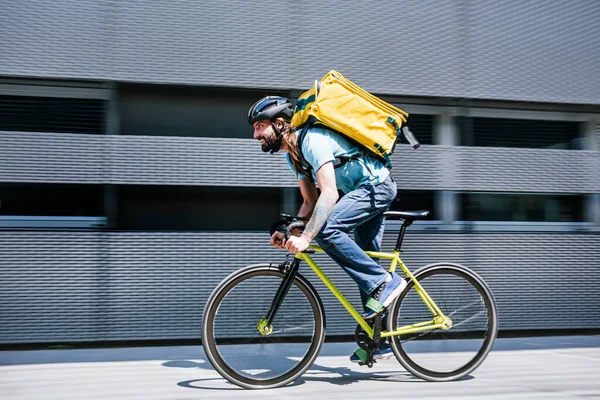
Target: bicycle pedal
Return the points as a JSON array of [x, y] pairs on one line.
[[370, 365]]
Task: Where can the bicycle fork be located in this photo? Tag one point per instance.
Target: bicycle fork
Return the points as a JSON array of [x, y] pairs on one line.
[[289, 270]]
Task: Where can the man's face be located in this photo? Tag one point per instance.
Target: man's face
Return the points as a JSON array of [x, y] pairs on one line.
[[263, 131]]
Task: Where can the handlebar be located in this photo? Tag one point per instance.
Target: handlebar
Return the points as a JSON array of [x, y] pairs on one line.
[[281, 225], [292, 226], [410, 137], [287, 225]]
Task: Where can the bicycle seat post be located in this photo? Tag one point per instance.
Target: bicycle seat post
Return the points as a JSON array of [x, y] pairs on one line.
[[406, 224], [408, 217]]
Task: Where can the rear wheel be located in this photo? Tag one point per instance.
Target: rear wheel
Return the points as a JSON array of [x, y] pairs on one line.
[[243, 347], [445, 355]]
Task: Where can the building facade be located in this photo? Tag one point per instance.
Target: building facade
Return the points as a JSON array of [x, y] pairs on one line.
[[130, 184]]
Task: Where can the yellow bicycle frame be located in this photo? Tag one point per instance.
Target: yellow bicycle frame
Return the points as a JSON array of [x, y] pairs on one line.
[[439, 320]]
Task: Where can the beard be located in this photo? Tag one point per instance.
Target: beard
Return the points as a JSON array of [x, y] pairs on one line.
[[271, 144]]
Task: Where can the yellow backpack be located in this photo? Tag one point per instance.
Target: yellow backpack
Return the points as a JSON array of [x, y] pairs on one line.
[[341, 105]]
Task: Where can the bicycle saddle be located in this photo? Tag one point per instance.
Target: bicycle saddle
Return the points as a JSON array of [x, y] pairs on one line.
[[407, 215]]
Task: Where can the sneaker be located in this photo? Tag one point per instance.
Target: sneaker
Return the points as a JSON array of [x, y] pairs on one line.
[[383, 296], [383, 353]]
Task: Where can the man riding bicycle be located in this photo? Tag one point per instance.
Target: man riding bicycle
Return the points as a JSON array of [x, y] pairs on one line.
[[368, 192]]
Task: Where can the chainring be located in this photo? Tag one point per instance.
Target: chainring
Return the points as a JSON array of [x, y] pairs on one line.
[[363, 340]]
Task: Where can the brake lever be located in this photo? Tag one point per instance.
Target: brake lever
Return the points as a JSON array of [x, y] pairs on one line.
[[287, 225]]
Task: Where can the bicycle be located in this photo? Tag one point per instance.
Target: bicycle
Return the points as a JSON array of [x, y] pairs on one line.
[[281, 328]]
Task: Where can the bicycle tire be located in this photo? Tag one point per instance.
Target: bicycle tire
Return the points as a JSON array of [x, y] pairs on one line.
[[454, 353], [226, 354]]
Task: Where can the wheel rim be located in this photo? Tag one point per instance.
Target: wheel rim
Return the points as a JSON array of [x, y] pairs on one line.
[[247, 356], [453, 353]]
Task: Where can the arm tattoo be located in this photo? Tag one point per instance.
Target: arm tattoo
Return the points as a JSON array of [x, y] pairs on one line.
[[319, 217]]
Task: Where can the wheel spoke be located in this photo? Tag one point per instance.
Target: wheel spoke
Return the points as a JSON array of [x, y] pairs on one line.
[[464, 308], [469, 319], [240, 352], [303, 328], [446, 354]]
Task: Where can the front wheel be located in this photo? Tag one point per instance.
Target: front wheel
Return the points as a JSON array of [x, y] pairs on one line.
[[445, 354], [243, 347]]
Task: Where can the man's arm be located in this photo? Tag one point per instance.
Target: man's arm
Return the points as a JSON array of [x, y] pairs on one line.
[[309, 196], [327, 200]]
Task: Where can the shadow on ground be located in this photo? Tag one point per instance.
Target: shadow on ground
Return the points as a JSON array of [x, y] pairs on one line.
[[340, 376]]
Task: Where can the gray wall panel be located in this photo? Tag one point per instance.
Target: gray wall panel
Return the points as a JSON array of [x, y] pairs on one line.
[[428, 167], [153, 286], [53, 287], [196, 161], [537, 279], [534, 51], [409, 47], [50, 157], [526, 170], [66, 38], [61, 286], [210, 43]]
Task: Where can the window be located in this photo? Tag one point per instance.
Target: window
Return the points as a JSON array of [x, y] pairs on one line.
[[496, 132], [51, 206], [207, 112], [49, 114], [181, 111], [522, 207], [415, 200], [28, 199], [421, 125], [183, 208]]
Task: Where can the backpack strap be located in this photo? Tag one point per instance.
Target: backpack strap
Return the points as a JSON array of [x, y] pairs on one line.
[[337, 163], [305, 163]]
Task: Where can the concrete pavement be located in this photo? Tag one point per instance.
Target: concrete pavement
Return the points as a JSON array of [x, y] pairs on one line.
[[565, 367]]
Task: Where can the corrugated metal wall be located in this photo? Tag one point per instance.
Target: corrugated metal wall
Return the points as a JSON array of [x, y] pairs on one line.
[[76, 286], [534, 51], [89, 286], [64, 286], [54, 157]]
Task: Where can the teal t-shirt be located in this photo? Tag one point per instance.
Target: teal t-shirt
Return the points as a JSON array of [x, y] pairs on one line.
[[321, 145]]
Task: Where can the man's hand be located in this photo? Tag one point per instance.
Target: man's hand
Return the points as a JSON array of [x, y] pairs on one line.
[[278, 240], [296, 245], [297, 231]]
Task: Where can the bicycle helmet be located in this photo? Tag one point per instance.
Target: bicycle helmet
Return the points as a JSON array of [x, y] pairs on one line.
[[269, 108]]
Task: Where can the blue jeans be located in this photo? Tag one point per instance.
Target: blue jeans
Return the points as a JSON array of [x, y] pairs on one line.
[[362, 210]]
